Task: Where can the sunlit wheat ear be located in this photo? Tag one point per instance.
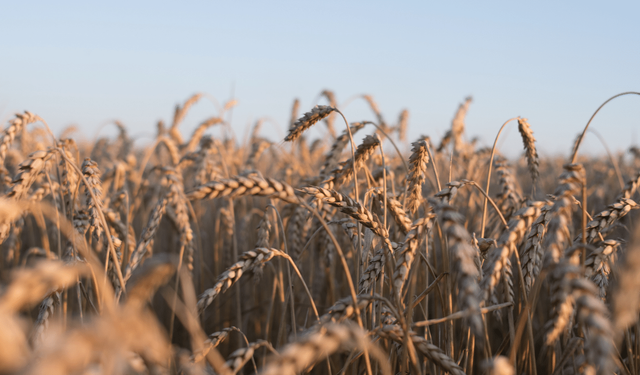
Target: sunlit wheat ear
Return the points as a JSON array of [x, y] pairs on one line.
[[626, 298], [593, 316], [179, 115], [257, 148], [507, 243], [213, 341], [430, 351], [239, 186], [530, 147], [15, 127], [462, 257], [399, 215], [264, 227], [297, 228], [508, 199], [416, 177], [331, 97], [558, 237], [318, 344], [47, 309], [178, 207], [457, 128], [362, 154], [598, 265], [605, 219], [199, 132], [241, 356], [344, 309], [294, 112], [307, 120], [28, 172], [409, 249], [248, 261], [333, 157], [403, 124], [532, 250], [376, 110], [447, 194], [29, 286], [499, 366], [68, 175], [146, 238], [630, 187], [562, 299], [92, 174]]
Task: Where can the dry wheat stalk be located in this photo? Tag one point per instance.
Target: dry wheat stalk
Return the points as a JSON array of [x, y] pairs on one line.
[[307, 120], [416, 176], [248, 261], [239, 186], [499, 366], [530, 146]]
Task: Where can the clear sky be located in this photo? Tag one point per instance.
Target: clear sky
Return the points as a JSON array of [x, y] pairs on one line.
[[553, 62]]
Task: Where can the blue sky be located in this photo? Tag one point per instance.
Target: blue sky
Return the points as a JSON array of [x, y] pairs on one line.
[[86, 63]]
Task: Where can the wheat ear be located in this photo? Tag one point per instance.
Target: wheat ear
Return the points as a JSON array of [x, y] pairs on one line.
[[530, 147], [307, 120], [239, 186], [416, 176]]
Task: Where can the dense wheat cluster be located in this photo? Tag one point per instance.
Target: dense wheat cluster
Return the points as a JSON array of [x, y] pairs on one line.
[[202, 254]]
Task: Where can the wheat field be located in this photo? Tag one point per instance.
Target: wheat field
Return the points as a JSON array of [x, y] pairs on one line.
[[200, 254]]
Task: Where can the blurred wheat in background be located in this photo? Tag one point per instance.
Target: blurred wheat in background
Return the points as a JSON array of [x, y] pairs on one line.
[[201, 254]]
